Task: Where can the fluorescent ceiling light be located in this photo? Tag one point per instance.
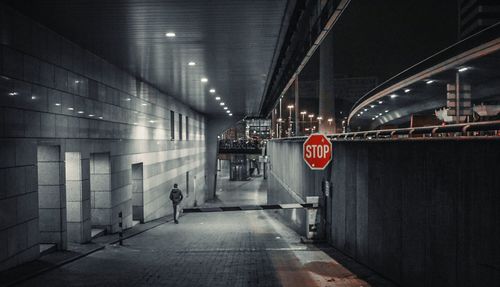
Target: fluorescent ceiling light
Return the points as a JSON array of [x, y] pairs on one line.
[[394, 96], [222, 104], [463, 69], [191, 63], [170, 34], [217, 98], [212, 91], [407, 91], [204, 80]]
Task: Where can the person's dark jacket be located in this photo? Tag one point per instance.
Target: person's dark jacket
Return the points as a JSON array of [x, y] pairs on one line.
[[176, 196]]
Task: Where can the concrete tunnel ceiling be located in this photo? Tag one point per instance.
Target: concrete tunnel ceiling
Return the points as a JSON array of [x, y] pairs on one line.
[[230, 42]]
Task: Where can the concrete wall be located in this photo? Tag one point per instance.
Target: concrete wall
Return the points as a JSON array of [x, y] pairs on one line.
[[422, 213], [290, 180], [78, 198], [51, 196], [54, 93]]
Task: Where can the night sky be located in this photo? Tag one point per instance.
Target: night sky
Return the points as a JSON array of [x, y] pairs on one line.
[[382, 38]]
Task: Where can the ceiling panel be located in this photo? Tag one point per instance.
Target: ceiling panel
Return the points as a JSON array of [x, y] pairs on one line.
[[231, 41]]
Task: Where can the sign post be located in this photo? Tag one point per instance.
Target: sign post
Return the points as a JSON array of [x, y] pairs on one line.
[[317, 151]]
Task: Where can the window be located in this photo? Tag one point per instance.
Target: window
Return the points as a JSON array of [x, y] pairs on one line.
[[172, 125], [187, 128], [180, 127]]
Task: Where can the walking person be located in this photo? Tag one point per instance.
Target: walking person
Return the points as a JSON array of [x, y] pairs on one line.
[[176, 198]]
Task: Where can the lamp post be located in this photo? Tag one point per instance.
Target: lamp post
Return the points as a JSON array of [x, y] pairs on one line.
[[303, 113], [279, 127], [290, 107], [319, 123], [311, 116]]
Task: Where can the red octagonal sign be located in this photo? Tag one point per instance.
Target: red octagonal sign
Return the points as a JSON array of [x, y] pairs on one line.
[[317, 151]]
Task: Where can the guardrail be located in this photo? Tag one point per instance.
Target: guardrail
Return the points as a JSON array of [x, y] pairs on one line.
[[455, 130]]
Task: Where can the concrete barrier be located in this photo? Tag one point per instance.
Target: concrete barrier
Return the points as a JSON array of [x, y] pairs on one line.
[[421, 213]]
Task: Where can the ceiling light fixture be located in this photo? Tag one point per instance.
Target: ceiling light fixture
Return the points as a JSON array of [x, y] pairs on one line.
[[144, 104], [230, 114], [57, 104], [217, 98], [212, 91], [191, 63], [407, 91], [222, 104], [33, 97], [204, 80], [70, 109], [393, 96], [170, 34], [463, 69], [225, 108], [80, 112], [91, 115], [380, 102], [428, 82]]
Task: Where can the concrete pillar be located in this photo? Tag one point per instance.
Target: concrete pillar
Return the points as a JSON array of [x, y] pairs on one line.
[[326, 88], [77, 198], [51, 196], [100, 188]]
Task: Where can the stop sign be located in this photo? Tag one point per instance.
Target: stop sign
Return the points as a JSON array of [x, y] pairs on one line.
[[317, 151]]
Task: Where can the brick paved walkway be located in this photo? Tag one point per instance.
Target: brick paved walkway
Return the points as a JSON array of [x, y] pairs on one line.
[[249, 248]]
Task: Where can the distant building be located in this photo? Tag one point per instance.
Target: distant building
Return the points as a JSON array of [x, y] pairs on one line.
[[476, 15]]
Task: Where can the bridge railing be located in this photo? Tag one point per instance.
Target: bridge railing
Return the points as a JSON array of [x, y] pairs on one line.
[[240, 147], [469, 130]]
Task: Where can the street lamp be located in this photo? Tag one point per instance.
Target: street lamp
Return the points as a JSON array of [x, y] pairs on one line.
[[304, 113], [319, 120], [290, 107], [311, 116], [330, 120], [279, 127]]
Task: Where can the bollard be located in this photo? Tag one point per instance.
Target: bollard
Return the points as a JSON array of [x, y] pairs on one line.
[[120, 224]]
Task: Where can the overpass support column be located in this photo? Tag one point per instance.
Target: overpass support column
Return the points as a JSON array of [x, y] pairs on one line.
[[326, 88], [297, 106]]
